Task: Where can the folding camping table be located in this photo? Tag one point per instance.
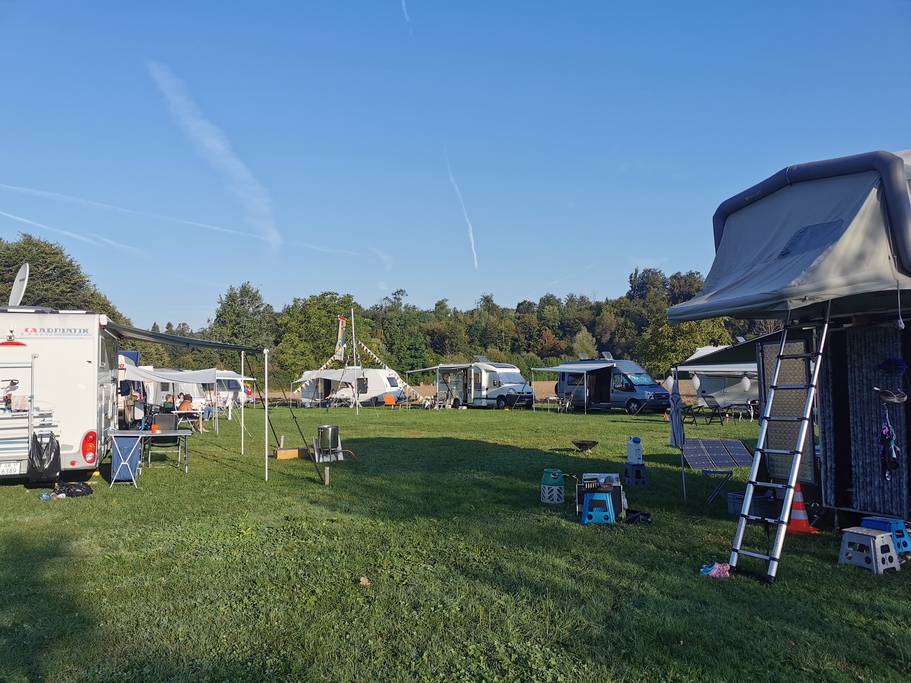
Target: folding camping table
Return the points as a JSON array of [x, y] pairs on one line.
[[127, 443], [716, 458]]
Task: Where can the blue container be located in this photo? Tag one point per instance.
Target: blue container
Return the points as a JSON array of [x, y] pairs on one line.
[[125, 459]]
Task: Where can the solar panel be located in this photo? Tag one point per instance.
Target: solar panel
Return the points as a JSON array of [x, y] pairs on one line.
[[716, 454]]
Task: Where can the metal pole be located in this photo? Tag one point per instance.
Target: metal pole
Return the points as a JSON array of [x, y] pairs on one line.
[[354, 356], [266, 412], [243, 388]]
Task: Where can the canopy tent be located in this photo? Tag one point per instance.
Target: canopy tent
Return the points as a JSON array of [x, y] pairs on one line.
[[342, 375], [576, 368], [136, 334], [836, 230]]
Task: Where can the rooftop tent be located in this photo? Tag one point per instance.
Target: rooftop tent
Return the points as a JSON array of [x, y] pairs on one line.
[[836, 230]]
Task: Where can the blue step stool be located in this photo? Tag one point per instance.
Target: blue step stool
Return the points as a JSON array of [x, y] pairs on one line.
[[598, 508], [896, 527]]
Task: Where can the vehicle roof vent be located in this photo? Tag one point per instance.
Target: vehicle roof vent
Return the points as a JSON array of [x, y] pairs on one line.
[[583, 356], [607, 355], [481, 359]]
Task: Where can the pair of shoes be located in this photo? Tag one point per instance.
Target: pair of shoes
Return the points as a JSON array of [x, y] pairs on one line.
[[205, 430], [708, 568], [721, 570]]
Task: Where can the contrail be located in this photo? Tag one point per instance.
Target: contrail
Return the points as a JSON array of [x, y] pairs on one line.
[[56, 196], [405, 12], [573, 274], [73, 235], [383, 256], [215, 148], [464, 212]]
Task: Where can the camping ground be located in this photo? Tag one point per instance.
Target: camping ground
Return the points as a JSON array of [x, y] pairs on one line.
[[429, 559]]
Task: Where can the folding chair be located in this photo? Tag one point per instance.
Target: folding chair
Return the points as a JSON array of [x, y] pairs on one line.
[[715, 411], [566, 405], [163, 444]]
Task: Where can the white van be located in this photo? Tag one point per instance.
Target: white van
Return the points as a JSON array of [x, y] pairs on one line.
[[482, 384], [611, 383]]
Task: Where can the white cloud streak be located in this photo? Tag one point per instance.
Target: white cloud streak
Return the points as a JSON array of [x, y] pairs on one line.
[[464, 211], [405, 12], [572, 275], [56, 196], [214, 147], [67, 233], [382, 256]]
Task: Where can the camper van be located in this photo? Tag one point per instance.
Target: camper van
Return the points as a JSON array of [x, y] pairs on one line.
[[339, 385], [58, 375], [611, 383], [482, 384]]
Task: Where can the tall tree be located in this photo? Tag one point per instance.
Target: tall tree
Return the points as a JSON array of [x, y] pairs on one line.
[[55, 279], [243, 317]]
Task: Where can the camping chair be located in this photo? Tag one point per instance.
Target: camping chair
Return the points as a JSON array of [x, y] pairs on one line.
[[688, 412], [715, 411], [163, 444], [566, 405], [389, 401]]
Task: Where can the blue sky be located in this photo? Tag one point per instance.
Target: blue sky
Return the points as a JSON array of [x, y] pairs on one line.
[[447, 148]]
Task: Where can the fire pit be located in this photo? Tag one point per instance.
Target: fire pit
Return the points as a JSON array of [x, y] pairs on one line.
[[585, 446]]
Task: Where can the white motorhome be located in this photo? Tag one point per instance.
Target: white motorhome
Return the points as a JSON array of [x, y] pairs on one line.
[[481, 384], [59, 376], [339, 385]]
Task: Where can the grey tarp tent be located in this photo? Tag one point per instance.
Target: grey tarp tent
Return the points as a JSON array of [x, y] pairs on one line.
[[834, 231]]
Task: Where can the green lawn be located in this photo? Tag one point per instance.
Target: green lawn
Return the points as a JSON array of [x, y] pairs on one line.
[[220, 575]]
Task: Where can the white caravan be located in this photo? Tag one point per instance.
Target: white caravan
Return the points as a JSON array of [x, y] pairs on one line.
[[59, 376], [339, 385], [481, 384]]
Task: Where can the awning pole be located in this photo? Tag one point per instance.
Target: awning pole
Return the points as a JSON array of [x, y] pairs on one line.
[[266, 404], [244, 390]]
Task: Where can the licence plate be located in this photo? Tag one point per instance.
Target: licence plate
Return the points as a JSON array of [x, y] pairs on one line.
[[9, 468]]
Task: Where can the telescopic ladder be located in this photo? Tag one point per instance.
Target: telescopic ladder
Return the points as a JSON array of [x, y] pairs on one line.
[[763, 450]]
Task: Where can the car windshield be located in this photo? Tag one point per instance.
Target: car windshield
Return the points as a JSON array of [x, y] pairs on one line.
[[510, 378], [641, 379]]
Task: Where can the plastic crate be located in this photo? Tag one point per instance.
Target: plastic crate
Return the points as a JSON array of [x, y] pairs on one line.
[[762, 504]]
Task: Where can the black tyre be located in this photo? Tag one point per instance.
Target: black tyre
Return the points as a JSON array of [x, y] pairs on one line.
[[501, 402], [633, 406]]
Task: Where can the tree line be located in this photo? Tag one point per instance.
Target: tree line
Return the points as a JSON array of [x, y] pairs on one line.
[[301, 335]]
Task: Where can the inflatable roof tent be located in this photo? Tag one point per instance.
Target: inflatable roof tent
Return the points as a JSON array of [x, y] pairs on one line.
[[836, 230]]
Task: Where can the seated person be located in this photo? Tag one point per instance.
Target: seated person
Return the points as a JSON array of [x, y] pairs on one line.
[[168, 405], [186, 403]]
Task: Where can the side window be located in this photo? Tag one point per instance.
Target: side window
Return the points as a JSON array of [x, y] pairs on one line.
[[575, 380], [362, 385], [619, 382]]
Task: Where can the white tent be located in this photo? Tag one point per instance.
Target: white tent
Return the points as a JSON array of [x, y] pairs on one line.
[[837, 230]]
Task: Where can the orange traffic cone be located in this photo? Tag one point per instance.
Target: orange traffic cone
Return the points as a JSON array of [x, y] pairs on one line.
[[800, 523]]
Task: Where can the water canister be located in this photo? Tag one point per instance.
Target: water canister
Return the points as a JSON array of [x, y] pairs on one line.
[[634, 451], [552, 491], [327, 437]]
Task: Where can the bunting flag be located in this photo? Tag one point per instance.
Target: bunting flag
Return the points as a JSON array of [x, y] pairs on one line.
[[405, 384], [340, 341]]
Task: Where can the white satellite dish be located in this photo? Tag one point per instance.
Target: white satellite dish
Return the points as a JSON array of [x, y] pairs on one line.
[[15, 296]]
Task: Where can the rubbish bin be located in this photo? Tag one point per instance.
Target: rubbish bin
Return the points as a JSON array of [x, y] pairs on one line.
[[327, 437], [125, 459]]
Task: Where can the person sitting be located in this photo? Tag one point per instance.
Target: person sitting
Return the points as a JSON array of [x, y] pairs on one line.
[[168, 405], [186, 403]]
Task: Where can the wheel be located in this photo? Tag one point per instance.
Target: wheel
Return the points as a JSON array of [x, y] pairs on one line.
[[501, 402], [633, 406]]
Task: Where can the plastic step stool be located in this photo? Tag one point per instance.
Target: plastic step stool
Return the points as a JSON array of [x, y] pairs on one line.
[[896, 527], [868, 548]]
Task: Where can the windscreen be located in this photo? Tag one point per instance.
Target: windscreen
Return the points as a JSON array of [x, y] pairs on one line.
[[641, 379], [510, 378]]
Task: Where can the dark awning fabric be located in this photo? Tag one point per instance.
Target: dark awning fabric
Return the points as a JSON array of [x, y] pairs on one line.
[[135, 334]]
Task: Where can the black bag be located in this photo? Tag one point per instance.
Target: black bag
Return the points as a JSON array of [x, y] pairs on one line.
[[74, 489], [43, 459]]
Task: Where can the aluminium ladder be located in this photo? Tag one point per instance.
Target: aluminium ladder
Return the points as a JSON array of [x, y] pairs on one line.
[[763, 450]]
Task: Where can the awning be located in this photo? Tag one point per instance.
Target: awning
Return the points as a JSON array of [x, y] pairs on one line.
[[577, 368], [208, 376], [344, 375], [134, 333]]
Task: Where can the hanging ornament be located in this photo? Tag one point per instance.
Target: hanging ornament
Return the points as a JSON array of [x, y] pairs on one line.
[[745, 383], [696, 382], [669, 383]]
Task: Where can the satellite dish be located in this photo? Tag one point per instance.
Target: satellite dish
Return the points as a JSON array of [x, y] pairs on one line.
[[15, 296]]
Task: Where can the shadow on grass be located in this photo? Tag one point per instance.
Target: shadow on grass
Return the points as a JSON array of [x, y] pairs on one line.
[[39, 616]]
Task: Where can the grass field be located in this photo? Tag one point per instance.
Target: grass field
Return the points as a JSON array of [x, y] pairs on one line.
[[430, 559]]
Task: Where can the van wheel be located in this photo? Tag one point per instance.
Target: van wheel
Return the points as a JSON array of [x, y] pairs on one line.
[[501, 402], [633, 406]]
